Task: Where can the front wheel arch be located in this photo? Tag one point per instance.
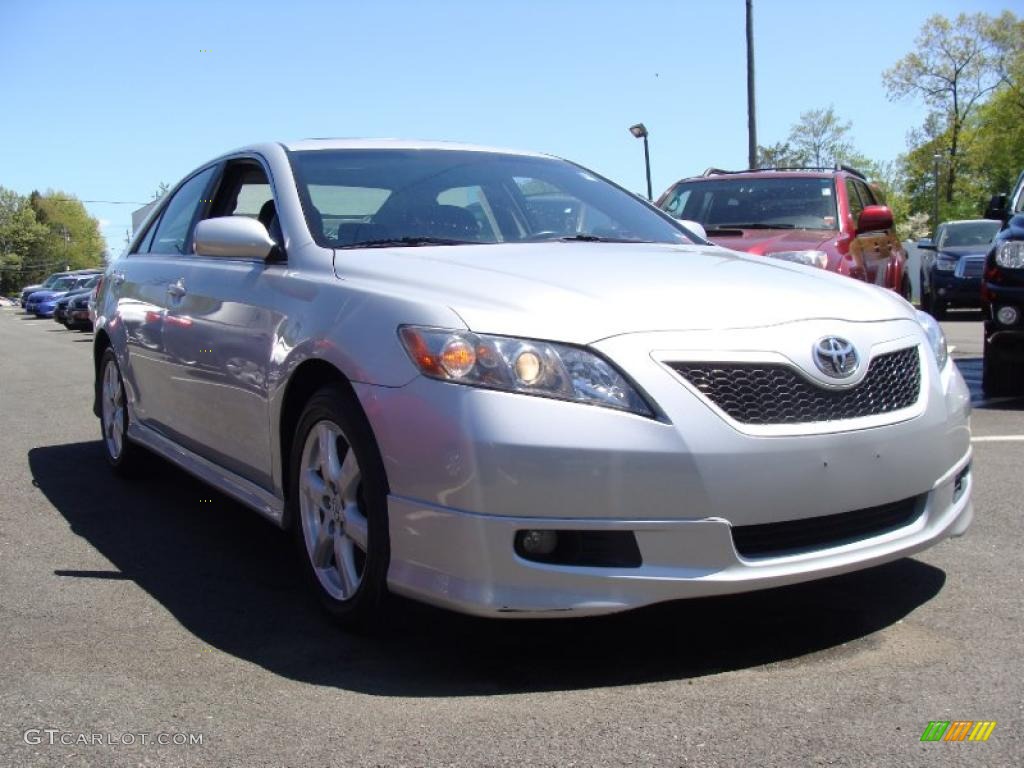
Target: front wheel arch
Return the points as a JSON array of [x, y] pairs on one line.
[[305, 381]]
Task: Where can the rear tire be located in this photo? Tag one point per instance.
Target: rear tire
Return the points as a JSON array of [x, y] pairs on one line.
[[122, 455], [337, 506], [1000, 377]]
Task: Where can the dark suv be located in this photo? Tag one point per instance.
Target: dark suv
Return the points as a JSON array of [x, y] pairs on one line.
[[824, 217], [1002, 297]]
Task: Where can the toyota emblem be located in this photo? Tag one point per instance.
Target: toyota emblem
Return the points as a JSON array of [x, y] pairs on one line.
[[836, 357]]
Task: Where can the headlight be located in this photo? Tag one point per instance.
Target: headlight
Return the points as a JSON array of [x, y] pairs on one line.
[[936, 337], [520, 365], [1011, 255], [945, 265], [810, 258]]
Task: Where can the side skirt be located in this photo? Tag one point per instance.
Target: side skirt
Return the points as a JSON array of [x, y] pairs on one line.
[[245, 491]]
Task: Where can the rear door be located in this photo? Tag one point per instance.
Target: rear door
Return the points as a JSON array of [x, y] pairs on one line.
[[146, 286]]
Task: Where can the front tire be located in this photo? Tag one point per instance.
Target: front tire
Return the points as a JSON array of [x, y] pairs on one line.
[[122, 455], [337, 506]]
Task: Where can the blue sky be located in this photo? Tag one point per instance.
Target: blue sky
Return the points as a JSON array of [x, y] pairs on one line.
[[107, 99]]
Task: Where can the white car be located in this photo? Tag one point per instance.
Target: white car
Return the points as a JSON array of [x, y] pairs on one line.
[[496, 382]]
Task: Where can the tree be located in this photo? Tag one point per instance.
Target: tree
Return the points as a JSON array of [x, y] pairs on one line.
[[951, 70], [20, 235], [161, 190], [821, 138], [779, 155], [1005, 35], [72, 236]]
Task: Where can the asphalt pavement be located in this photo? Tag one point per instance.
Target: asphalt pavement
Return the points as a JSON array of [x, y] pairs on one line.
[[134, 613]]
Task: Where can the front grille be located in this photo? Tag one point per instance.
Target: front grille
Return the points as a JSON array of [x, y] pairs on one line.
[[792, 536], [770, 393], [971, 266]]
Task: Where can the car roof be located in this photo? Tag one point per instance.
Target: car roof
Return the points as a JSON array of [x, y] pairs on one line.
[[969, 221], [766, 173], [328, 143]]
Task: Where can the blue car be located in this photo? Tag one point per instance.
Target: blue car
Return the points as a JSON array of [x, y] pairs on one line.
[[43, 303]]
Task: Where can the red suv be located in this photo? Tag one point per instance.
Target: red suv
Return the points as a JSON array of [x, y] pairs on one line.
[[828, 218]]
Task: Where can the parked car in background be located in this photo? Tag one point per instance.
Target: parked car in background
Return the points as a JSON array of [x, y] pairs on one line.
[[824, 217], [78, 318], [28, 290], [1002, 297], [527, 415], [952, 264], [43, 303], [60, 312]]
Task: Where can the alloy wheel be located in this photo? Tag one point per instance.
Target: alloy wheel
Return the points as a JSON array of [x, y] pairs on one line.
[[331, 508]]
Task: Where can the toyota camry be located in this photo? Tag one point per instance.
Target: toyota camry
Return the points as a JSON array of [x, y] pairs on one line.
[[496, 382]]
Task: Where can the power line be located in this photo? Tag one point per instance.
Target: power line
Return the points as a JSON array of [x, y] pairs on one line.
[[105, 202]]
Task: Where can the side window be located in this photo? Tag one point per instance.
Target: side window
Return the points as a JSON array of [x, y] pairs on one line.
[[473, 200], [856, 206], [866, 195], [147, 241], [171, 234], [245, 191], [677, 203]]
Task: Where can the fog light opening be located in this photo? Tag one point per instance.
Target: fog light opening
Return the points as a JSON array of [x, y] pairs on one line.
[[1007, 315], [537, 542], [960, 482]]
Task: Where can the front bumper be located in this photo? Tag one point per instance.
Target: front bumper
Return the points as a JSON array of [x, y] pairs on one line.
[[957, 291], [45, 310], [472, 567], [468, 468]]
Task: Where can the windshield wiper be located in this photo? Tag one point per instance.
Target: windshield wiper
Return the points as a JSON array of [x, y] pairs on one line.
[[585, 239], [759, 225], [407, 242]]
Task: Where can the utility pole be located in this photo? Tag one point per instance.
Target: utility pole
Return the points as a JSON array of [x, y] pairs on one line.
[[751, 106], [935, 209]]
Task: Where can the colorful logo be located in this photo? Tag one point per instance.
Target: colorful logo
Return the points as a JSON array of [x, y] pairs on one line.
[[958, 730]]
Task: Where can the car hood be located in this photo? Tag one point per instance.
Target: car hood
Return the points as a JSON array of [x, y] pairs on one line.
[[770, 240], [956, 251], [584, 292], [47, 295]]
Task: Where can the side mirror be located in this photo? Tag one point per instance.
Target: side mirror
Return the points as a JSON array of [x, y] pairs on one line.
[[874, 218], [926, 244], [996, 209], [233, 237], [693, 226]]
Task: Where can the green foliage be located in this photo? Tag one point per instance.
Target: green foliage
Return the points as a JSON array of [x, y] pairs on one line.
[[970, 72], [820, 138], [42, 234], [21, 235]]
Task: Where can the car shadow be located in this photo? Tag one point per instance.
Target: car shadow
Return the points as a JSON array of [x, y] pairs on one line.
[[963, 316], [971, 369], [230, 578]]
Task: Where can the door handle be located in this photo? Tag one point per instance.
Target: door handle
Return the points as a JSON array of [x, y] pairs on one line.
[[177, 288]]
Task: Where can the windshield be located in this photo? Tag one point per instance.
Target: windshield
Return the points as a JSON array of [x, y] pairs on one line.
[[784, 203], [367, 197], [63, 284], [968, 233], [48, 283]]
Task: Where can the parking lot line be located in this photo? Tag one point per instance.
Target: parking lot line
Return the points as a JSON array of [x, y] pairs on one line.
[[998, 439]]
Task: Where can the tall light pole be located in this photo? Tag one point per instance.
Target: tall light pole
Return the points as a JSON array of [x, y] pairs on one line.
[[935, 209], [640, 131], [751, 106]]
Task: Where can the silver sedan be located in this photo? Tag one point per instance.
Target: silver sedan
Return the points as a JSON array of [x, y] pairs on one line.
[[496, 382]]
